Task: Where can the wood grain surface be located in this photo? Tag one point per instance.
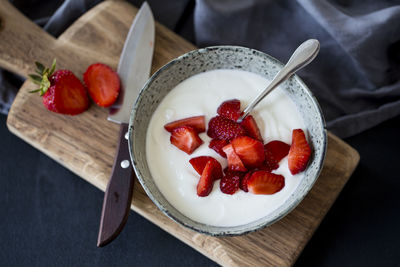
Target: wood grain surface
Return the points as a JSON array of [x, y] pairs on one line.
[[86, 143]]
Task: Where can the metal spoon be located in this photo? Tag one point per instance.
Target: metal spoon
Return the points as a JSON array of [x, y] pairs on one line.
[[303, 55]]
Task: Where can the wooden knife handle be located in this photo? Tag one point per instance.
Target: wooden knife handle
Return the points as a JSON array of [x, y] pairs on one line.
[[22, 42], [118, 195]]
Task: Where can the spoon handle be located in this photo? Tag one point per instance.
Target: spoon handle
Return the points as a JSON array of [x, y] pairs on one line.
[[303, 55]]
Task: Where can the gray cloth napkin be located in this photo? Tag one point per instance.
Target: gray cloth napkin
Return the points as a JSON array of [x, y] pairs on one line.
[[356, 76]]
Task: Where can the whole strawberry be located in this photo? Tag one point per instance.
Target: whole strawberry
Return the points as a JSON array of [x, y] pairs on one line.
[[62, 91]]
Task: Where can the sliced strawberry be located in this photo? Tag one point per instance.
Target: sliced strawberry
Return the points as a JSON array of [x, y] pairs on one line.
[[265, 183], [186, 139], [198, 123], [249, 150], [199, 163], [70, 95], [250, 125], [217, 145], [230, 109], [103, 84], [229, 184], [275, 151], [206, 182], [244, 180], [223, 128], [210, 173], [234, 162], [299, 153]]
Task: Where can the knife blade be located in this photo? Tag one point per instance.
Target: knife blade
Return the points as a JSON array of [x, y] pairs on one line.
[[133, 70]]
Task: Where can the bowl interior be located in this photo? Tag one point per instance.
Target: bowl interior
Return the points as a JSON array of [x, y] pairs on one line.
[[223, 57]]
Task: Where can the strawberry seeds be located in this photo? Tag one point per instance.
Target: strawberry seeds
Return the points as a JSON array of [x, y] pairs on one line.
[[62, 92]]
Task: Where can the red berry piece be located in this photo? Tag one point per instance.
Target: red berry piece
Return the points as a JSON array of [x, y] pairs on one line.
[[244, 180], [211, 172], [198, 123], [251, 127], [70, 95], [234, 162], [223, 128], [275, 151], [48, 99], [265, 183], [62, 91], [250, 151], [103, 84], [186, 139], [230, 109], [217, 145], [299, 153], [229, 184], [266, 167], [199, 164]]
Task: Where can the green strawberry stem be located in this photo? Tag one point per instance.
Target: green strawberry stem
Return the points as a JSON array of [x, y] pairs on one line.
[[42, 77]]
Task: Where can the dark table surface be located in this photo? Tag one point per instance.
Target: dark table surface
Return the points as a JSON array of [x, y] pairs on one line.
[[50, 216]]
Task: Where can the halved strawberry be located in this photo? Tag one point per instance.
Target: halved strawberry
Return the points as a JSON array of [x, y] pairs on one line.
[[198, 123], [244, 180], [103, 84], [251, 127], [62, 91], [265, 183], [186, 139], [217, 145], [70, 95], [210, 173], [299, 153], [229, 184], [222, 128], [230, 109], [234, 162], [249, 150], [199, 163], [275, 151]]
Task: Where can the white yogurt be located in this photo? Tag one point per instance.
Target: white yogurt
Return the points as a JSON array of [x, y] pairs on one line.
[[201, 94]]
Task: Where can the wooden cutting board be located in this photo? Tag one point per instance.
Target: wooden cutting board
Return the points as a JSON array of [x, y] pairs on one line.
[[86, 143]]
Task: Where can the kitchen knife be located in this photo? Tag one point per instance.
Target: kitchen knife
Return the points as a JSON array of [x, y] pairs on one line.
[[133, 70]]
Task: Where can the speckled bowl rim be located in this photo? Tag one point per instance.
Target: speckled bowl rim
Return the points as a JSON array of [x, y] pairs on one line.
[[227, 232]]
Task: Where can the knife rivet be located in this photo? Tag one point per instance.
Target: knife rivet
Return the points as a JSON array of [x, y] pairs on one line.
[[126, 135], [125, 164]]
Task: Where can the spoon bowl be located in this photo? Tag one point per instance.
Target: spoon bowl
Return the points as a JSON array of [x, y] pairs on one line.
[[301, 57]]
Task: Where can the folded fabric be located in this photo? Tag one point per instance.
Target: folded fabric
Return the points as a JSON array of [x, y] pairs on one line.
[[356, 76]]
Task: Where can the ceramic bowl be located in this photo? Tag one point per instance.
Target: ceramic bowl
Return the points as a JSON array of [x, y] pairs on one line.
[[223, 57]]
